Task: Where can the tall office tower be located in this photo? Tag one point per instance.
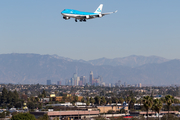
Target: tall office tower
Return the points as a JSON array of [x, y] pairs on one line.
[[140, 85], [77, 81], [48, 82], [91, 78], [66, 82], [83, 80], [98, 83], [101, 79], [119, 83], [69, 82], [125, 84], [72, 81], [58, 82]]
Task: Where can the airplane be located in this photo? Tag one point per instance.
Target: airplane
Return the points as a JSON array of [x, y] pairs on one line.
[[83, 16]]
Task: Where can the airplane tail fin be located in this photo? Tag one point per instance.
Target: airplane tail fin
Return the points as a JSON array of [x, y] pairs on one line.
[[99, 9]]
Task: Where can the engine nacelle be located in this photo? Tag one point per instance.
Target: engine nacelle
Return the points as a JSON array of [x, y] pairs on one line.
[[100, 15], [66, 18], [87, 16]]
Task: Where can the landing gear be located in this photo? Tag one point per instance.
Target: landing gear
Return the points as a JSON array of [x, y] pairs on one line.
[[81, 20]]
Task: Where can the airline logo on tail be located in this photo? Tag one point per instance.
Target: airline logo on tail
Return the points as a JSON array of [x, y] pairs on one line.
[[99, 9]]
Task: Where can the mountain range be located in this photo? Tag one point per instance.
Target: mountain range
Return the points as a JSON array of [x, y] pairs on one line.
[[35, 68]]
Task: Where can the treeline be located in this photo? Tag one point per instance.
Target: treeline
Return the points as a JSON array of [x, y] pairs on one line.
[[9, 99]]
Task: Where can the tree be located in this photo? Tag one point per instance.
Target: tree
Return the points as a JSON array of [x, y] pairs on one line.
[[30, 105], [44, 93], [128, 99], [157, 105], [98, 100], [110, 102], [87, 103], [92, 100], [169, 100], [4, 96], [23, 116], [44, 117], [75, 98], [82, 100], [87, 98], [9, 97], [131, 104], [147, 101], [121, 100], [103, 100]]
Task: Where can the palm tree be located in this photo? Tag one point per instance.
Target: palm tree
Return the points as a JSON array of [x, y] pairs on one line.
[[121, 100], [157, 106], [131, 104], [99, 100], [147, 101], [169, 100], [92, 101]]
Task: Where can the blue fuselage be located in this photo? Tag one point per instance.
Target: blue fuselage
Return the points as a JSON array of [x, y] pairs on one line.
[[73, 13]]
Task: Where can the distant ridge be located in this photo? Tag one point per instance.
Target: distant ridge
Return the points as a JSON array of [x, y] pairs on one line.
[[35, 68], [130, 61]]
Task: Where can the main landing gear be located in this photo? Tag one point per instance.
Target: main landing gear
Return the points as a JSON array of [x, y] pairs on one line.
[[81, 20]]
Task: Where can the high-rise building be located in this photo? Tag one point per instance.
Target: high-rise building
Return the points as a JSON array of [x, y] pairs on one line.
[[72, 81], [48, 82], [83, 80], [91, 78], [140, 85], [67, 82], [119, 83], [58, 82], [77, 81]]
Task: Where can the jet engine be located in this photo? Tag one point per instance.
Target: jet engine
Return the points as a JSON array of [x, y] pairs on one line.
[[87, 16], [66, 18], [100, 15]]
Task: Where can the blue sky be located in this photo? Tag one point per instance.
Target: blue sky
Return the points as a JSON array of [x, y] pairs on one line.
[[140, 27]]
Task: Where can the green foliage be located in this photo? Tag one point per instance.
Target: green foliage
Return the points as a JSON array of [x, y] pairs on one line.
[[103, 100], [82, 100], [169, 100], [23, 116], [44, 93], [147, 101], [122, 110], [87, 103], [30, 105], [8, 98], [121, 100], [97, 100], [75, 98], [92, 100], [44, 117]]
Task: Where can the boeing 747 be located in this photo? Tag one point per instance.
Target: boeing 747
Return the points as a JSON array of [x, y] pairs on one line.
[[83, 16]]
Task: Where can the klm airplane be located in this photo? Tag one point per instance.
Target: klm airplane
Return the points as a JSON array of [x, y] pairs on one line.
[[83, 16]]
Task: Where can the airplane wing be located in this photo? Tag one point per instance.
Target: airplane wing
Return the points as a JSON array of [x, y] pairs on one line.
[[93, 16], [103, 14]]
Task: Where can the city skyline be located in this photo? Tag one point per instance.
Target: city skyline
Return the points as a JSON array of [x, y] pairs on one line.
[[138, 28]]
